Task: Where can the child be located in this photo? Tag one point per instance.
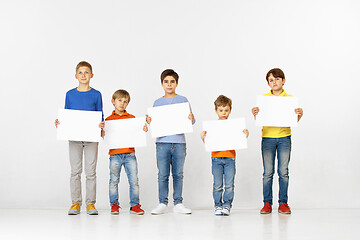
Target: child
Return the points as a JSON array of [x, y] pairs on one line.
[[123, 156], [276, 140], [170, 150], [223, 164], [83, 98]]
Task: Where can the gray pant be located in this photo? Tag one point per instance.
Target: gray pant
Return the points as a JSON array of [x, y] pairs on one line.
[[76, 152]]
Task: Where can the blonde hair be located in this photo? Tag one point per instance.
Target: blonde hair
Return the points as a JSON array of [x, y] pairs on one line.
[[121, 93], [83, 64]]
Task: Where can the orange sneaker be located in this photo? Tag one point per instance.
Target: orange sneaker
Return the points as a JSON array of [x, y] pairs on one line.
[[266, 209], [284, 209], [115, 209], [137, 210]]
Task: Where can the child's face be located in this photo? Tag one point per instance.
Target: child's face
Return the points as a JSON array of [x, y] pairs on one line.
[[276, 84], [83, 75], [223, 112], [120, 104], [169, 84]]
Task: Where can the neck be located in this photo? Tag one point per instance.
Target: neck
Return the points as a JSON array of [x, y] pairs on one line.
[[83, 87], [170, 95], [119, 112], [277, 92]]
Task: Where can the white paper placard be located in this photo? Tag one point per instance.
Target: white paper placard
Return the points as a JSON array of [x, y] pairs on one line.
[[222, 135], [78, 125], [170, 119], [277, 111], [125, 133]]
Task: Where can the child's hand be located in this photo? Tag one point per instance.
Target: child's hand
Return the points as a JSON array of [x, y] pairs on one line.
[[102, 133], [246, 132], [191, 116], [102, 125], [299, 112], [148, 119], [203, 135], [255, 111], [145, 128], [57, 123]]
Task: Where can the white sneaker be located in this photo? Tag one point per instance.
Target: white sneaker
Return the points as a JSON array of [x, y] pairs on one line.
[[226, 211], [180, 208], [160, 209], [218, 211]]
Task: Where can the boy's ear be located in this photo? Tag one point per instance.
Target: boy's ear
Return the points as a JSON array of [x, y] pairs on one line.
[[284, 80], [112, 101]]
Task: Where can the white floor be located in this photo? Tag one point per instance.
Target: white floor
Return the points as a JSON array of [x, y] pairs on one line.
[[202, 224]]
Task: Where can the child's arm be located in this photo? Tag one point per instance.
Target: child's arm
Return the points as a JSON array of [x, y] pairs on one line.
[[191, 117], [145, 128], [57, 123], [102, 125], [148, 119], [246, 132], [299, 112], [203, 135], [102, 133], [255, 111]]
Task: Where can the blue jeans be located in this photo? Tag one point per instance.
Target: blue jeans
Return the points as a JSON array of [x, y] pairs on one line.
[[170, 155], [130, 165], [269, 148], [223, 170]]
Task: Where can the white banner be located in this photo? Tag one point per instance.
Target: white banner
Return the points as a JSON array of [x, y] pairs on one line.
[[170, 119], [125, 133], [277, 111], [222, 135], [78, 125]]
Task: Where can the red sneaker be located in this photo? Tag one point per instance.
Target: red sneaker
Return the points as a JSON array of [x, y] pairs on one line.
[[115, 209], [266, 209], [284, 209], [137, 210]]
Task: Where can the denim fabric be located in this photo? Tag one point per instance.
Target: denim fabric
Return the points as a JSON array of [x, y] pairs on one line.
[[270, 147], [170, 155], [128, 160], [223, 170]]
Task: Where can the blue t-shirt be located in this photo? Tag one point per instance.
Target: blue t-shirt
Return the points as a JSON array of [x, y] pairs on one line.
[[177, 138], [89, 101]]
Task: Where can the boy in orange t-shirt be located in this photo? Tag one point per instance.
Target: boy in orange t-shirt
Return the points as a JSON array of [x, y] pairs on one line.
[[223, 164], [123, 157]]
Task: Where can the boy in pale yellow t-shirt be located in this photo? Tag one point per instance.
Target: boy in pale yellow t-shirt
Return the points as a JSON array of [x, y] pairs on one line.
[[223, 164], [276, 140]]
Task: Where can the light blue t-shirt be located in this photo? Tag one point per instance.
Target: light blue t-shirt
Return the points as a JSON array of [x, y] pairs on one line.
[[177, 138]]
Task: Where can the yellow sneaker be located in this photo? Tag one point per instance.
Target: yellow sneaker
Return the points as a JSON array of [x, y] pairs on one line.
[[91, 210], [74, 209]]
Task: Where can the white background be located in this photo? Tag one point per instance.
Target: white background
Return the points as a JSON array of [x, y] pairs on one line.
[[217, 47]]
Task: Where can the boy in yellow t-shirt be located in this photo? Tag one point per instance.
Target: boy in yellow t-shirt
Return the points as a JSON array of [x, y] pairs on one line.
[[223, 164], [276, 140]]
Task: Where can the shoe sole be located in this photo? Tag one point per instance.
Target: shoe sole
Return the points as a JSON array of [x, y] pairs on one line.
[[71, 213], [137, 213], [115, 213], [266, 212], [284, 212], [93, 213]]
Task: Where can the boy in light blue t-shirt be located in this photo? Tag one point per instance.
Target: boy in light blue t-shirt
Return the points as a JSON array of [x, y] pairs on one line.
[[170, 150]]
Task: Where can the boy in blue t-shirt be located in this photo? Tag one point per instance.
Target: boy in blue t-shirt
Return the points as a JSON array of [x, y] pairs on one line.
[[170, 150], [83, 98]]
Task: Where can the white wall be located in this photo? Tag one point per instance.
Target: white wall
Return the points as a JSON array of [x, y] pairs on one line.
[[217, 47]]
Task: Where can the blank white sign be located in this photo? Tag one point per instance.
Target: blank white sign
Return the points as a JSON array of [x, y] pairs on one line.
[[170, 119], [78, 125], [277, 111], [125, 133], [225, 135]]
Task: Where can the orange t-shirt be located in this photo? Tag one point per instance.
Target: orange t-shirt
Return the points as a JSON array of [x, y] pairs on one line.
[[115, 116], [224, 154]]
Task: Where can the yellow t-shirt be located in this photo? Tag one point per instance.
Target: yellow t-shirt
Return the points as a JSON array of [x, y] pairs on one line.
[[276, 132]]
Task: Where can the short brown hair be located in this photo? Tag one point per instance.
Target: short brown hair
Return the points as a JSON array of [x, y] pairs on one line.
[[276, 72], [222, 101], [83, 64], [169, 72], [121, 93]]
